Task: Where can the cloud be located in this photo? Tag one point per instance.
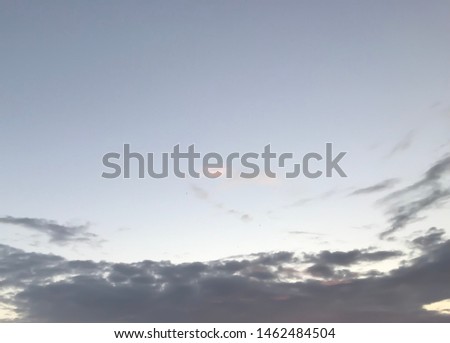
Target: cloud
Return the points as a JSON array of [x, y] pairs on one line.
[[304, 201], [431, 238], [330, 273], [300, 202], [405, 205], [258, 288], [295, 232], [403, 144], [204, 195], [57, 233], [347, 258], [325, 263], [199, 192], [321, 270], [381, 186], [246, 218]]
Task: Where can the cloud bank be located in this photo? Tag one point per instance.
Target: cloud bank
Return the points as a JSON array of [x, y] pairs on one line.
[[266, 287]]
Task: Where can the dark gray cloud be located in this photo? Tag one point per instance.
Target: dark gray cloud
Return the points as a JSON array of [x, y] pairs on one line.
[[326, 263], [321, 270], [430, 239], [329, 272], [57, 233], [381, 186], [273, 259], [405, 205], [49, 288], [347, 258]]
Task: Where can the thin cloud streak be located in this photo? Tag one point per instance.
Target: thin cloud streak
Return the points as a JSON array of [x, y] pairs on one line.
[[403, 144], [405, 205], [381, 186], [57, 233]]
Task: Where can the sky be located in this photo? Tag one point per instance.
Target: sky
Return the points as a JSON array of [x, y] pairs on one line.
[[81, 79]]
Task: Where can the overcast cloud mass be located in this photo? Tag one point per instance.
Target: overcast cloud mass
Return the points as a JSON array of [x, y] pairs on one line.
[[266, 287]]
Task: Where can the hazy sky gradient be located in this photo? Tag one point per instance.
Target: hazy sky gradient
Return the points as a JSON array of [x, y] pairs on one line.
[[80, 79]]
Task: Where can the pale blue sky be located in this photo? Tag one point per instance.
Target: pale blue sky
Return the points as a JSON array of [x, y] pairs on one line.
[[79, 79]]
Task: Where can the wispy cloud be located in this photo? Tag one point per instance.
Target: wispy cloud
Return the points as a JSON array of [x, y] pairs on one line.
[[403, 144], [378, 187], [406, 204], [299, 232], [202, 194], [57, 233], [199, 192]]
